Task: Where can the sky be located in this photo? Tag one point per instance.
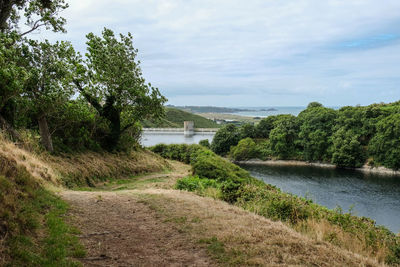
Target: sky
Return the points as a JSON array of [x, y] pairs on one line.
[[257, 52]]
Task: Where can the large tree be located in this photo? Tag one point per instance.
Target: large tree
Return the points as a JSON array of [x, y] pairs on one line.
[[111, 80], [48, 85]]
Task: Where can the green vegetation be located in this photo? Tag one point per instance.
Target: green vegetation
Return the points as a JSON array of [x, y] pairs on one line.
[[236, 186], [348, 137], [49, 88], [24, 204], [174, 118]]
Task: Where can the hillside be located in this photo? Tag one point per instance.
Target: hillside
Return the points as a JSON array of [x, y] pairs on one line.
[[174, 118], [136, 191]]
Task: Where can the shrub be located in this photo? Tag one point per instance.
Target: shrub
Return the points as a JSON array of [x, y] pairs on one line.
[[205, 143], [246, 149], [194, 183]]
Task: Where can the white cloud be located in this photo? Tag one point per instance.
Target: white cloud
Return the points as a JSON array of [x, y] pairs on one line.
[[289, 49]]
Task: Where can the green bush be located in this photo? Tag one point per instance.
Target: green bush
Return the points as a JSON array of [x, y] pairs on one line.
[[246, 149], [205, 143], [194, 183]]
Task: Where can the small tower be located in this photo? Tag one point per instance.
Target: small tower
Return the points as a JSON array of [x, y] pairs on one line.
[[188, 128]]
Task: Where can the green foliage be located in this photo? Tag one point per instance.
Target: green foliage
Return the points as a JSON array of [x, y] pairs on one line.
[[247, 130], [194, 183], [111, 80], [226, 137], [265, 126], [385, 145], [37, 13], [205, 143], [315, 132], [347, 149], [246, 149], [283, 138]]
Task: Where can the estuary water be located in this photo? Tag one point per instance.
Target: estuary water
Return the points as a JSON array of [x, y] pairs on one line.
[[369, 195]]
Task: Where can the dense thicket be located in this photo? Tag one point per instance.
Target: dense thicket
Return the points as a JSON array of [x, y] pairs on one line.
[[348, 137], [71, 102]]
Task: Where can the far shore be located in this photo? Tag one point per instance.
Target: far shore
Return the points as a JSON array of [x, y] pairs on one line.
[[365, 168]]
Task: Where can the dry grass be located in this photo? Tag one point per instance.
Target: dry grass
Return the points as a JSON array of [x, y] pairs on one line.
[[90, 167], [34, 164], [238, 237], [81, 169], [325, 231]]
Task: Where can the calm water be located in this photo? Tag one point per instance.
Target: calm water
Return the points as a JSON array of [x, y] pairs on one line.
[[373, 196], [151, 139]]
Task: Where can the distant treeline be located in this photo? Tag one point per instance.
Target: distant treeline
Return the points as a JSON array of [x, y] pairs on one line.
[[348, 137]]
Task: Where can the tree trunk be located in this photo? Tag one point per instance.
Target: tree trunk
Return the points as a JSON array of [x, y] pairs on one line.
[[45, 135], [9, 129]]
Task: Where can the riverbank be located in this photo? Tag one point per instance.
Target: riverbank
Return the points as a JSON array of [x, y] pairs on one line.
[[365, 169]]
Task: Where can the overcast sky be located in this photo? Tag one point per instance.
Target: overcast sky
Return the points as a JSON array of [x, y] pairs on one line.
[[255, 52]]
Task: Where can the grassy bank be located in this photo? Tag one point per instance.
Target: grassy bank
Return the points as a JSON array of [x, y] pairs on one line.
[[33, 231], [216, 177]]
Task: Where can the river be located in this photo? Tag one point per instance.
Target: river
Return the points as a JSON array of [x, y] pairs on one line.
[[369, 195]]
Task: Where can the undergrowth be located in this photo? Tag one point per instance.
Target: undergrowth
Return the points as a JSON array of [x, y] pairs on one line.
[[233, 184]]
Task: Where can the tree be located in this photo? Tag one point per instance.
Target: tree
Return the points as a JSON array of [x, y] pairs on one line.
[[38, 13], [283, 137], [315, 131], [48, 83], [224, 138], [347, 149], [385, 145], [12, 79], [265, 126], [111, 80], [247, 130]]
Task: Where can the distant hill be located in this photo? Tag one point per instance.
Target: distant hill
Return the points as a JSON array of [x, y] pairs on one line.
[[175, 117]]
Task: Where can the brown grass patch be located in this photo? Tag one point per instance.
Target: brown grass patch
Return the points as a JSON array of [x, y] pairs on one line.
[[238, 237]]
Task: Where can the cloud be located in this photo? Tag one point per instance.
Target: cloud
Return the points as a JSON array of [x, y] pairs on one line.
[[255, 52]]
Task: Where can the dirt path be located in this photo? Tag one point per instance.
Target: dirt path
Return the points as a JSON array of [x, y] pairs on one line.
[[119, 230]]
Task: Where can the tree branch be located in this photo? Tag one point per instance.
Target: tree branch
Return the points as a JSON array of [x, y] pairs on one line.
[[93, 101]]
